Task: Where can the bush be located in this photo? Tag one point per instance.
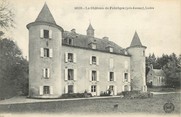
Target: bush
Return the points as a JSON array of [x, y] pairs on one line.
[[136, 94], [104, 94], [76, 95]]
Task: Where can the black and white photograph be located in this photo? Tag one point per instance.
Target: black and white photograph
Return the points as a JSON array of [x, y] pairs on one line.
[[90, 58]]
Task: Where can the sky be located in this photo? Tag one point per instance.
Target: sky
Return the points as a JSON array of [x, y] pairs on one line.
[[158, 24]]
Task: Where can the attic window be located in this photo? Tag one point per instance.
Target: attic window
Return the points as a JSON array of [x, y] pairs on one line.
[[69, 41], [110, 49], [93, 46]]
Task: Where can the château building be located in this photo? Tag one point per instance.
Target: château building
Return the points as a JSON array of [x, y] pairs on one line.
[[67, 62]]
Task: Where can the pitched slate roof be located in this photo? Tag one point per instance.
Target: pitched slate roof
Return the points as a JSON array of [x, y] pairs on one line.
[[83, 41], [158, 72], [136, 40], [45, 15]]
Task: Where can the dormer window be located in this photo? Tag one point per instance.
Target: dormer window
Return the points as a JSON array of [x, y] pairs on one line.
[[69, 41], [93, 45], [110, 49]]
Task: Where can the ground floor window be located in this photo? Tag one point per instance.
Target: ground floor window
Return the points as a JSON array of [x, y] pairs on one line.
[[70, 88], [126, 77], [126, 88], [46, 89], [93, 88]]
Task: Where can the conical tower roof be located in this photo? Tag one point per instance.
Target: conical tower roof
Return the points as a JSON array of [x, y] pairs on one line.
[[136, 40], [90, 27], [45, 15]]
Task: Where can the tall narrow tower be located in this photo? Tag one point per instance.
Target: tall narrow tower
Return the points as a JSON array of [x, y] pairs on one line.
[[137, 52], [90, 31], [45, 43]]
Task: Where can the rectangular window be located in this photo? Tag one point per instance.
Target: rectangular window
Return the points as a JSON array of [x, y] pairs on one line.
[[70, 88], [70, 57], [46, 33], [70, 74], [110, 49], [143, 52], [126, 77], [111, 76], [93, 46], [94, 76], [111, 87], [46, 72], [46, 52], [93, 88], [69, 41], [94, 60], [46, 90]]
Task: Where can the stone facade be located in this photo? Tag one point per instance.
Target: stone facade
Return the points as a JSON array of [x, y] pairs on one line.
[[66, 62], [156, 77]]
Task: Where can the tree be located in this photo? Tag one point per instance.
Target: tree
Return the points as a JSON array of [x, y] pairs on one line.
[[6, 15], [13, 69]]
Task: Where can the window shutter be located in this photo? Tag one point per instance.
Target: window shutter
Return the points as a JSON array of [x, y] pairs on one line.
[[98, 90], [51, 90], [75, 74], [114, 76], [66, 88], [129, 80], [97, 75], [89, 89], [66, 57], [111, 63], [126, 64], [41, 52], [41, 33], [90, 75], [75, 88], [74, 58], [129, 88], [41, 90], [123, 88], [123, 77], [97, 60], [44, 72], [115, 90], [66, 74], [50, 34], [51, 52], [90, 60], [48, 72], [108, 76], [107, 87]]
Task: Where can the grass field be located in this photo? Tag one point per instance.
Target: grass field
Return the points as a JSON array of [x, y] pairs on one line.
[[151, 106]]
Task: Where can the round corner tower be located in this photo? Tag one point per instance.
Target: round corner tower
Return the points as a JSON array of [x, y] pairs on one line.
[[137, 52], [45, 43]]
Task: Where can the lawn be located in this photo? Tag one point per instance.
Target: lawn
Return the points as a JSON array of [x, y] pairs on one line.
[[151, 106]]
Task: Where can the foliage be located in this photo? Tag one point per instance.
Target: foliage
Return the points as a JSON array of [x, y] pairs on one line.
[[13, 70], [136, 94], [6, 15], [105, 93], [171, 65], [76, 95]]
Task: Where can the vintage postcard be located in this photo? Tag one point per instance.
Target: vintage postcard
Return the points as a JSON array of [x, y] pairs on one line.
[[90, 58]]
